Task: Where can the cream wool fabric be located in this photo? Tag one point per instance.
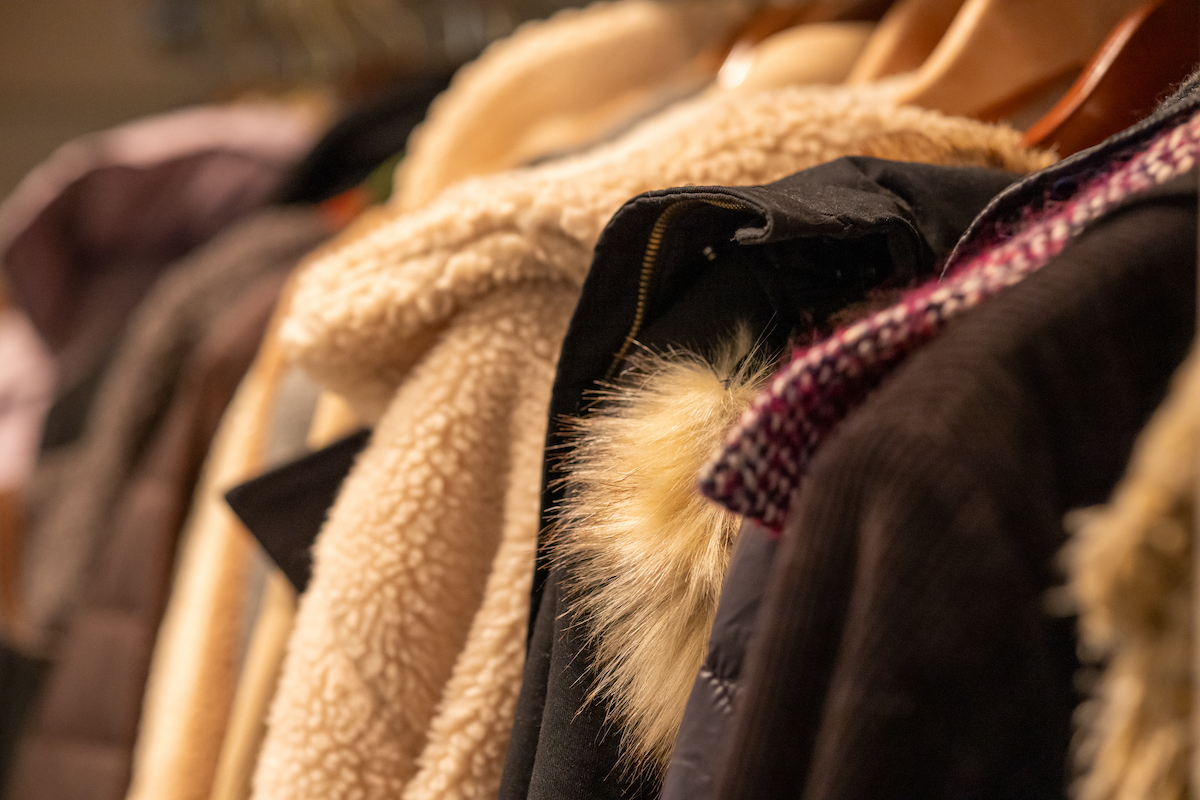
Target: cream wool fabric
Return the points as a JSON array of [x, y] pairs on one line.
[[1130, 565], [461, 454], [443, 325], [577, 73]]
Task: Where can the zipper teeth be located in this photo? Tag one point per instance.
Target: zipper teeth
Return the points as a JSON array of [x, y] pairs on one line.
[[650, 263]]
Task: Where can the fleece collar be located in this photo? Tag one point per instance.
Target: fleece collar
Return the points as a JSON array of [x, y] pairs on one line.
[[367, 310]]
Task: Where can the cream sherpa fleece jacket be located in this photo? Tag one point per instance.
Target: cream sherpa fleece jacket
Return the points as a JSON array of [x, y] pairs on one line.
[[443, 327], [1131, 580]]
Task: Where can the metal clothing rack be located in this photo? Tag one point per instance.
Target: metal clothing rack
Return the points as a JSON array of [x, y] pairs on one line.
[[292, 41]]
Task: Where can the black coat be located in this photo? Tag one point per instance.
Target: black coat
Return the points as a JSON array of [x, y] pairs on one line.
[[715, 695], [781, 258]]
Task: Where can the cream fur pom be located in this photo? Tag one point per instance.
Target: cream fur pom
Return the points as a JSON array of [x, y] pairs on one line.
[[645, 555]]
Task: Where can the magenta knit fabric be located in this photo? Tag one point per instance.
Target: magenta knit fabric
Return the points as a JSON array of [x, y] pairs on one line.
[[767, 453]]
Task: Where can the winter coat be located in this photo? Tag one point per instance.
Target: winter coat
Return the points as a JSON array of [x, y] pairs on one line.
[[668, 344], [66, 529], [904, 645], [441, 327], [79, 743], [69, 254]]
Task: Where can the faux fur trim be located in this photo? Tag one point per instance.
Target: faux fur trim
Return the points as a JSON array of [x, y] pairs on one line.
[[568, 67], [1130, 566], [367, 311], [644, 554]]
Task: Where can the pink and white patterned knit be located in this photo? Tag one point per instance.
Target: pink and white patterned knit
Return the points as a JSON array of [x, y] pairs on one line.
[[767, 453]]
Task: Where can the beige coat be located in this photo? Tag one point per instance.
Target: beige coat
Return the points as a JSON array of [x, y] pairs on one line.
[[442, 326], [556, 85]]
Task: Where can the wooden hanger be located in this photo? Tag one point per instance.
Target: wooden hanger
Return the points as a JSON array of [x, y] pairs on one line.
[[998, 51], [905, 37], [1152, 49], [816, 53], [734, 55]]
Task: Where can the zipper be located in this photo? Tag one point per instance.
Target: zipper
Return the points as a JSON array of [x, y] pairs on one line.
[[650, 264]]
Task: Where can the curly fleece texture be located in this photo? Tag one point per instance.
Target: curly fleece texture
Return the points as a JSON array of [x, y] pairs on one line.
[[1130, 565], [644, 553], [444, 326]]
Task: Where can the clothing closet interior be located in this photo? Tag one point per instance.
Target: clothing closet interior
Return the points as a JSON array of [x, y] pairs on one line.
[[628, 399]]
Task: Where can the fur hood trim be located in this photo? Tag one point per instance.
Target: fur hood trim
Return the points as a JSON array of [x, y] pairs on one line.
[[1130, 566], [366, 311], [643, 553], [488, 118]]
